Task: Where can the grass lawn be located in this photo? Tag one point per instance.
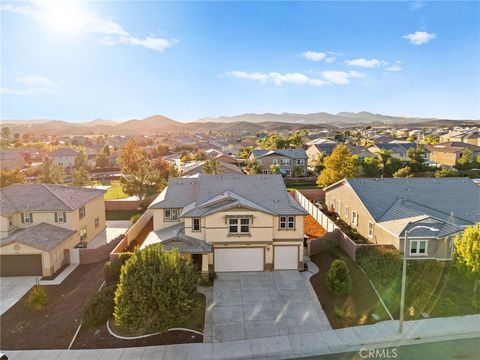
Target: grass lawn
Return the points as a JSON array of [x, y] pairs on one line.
[[357, 308], [307, 185], [120, 215], [434, 288], [115, 191]]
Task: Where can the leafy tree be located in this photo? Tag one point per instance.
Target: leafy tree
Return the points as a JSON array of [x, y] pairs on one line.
[[81, 161], [371, 167], [254, 167], [99, 308], [213, 167], [185, 156], [173, 171], [272, 142], [275, 169], [338, 278], [404, 172], [431, 139], [140, 177], [162, 150], [445, 173], [6, 133], [199, 155], [338, 166], [11, 176], [466, 159], [100, 140], [295, 140], [297, 171], [393, 165], [80, 177], [467, 252], [106, 150], [416, 157], [102, 160], [51, 173], [244, 152], [318, 163], [157, 290], [385, 157]]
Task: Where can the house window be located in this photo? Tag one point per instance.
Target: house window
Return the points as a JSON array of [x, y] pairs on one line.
[[245, 226], [418, 247], [27, 218], [81, 212], [275, 161], [233, 225], [287, 222], [285, 161], [10, 221], [236, 225], [97, 222], [171, 214], [83, 233], [300, 161], [60, 217], [370, 229], [288, 172], [346, 211], [196, 224], [354, 218], [265, 172]]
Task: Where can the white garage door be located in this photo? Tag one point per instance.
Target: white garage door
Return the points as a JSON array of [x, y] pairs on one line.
[[286, 257], [239, 259]]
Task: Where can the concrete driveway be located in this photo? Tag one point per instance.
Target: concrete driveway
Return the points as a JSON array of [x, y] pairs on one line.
[[12, 289], [252, 305]]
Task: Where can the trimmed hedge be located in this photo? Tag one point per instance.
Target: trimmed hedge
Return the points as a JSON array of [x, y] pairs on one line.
[[99, 308], [338, 278]]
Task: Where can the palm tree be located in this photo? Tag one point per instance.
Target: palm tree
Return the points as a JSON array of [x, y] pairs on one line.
[[384, 156], [212, 167]]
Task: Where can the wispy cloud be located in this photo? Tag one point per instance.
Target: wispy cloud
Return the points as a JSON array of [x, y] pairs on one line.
[[356, 74], [416, 5], [420, 37], [327, 56], [365, 63], [395, 67], [336, 77], [70, 19], [33, 85]]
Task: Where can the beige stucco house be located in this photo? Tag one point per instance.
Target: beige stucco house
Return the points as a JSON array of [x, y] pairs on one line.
[[381, 210], [230, 223], [64, 157], [448, 154], [40, 221], [287, 159]]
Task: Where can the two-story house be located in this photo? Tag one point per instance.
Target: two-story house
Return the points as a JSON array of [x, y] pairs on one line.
[[397, 149], [315, 151], [230, 222], [381, 210], [11, 159], [287, 159], [448, 154], [64, 157], [40, 221]]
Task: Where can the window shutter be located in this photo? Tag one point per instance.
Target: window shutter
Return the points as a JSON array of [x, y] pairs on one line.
[[23, 218], [65, 217], [56, 217], [31, 218]]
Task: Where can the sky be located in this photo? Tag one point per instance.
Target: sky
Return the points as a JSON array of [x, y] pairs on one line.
[[120, 60]]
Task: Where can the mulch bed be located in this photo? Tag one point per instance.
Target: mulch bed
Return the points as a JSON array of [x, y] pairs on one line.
[[53, 327], [101, 338], [54, 276]]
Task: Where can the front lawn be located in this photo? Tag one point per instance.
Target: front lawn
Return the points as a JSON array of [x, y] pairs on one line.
[[115, 192], [300, 185], [360, 307], [120, 214], [434, 288]]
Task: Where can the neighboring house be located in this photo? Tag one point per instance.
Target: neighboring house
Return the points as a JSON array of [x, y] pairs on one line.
[[40, 221], [64, 157], [397, 149], [315, 150], [287, 159], [224, 158], [196, 168], [11, 159], [448, 154], [230, 222], [381, 209]]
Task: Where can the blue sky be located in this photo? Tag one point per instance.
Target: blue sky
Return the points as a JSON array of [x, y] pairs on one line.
[[121, 60]]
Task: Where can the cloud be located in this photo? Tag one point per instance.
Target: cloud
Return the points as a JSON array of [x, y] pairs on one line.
[[35, 84], [252, 76], [420, 37], [356, 74], [364, 63], [314, 55], [416, 5], [68, 18], [394, 68], [336, 77]]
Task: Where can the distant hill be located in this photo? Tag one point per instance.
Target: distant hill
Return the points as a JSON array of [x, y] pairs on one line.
[[247, 123]]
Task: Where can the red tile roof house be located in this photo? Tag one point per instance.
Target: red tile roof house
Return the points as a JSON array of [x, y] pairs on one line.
[[40, 221]]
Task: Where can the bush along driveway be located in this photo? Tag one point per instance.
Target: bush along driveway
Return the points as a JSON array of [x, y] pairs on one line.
[[434, 288]]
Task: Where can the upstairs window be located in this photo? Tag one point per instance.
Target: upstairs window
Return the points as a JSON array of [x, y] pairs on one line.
[[97, 222], [245, 226], [239, 226], [275, 161], [196, 224], [285, 161], [27, 218], [233, 225], [81, 212], [300, 161], [370, 229], [60, 217], [418, 247], [83, 233], [171, 214], [10, 221], [287, 222], [354, 218]]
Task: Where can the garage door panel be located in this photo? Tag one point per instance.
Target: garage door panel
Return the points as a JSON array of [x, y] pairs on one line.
[[251, 259], [21, 265], [286, 257]]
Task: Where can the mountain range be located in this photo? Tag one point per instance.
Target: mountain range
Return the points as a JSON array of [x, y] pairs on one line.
[[248, 123]]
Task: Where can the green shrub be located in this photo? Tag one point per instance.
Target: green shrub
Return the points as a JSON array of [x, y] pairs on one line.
[[339, 312], [476, 301], [99, 308], [135, 218], [111, 270], [157, 290], [444, 306], [37, 299], [338, 278]]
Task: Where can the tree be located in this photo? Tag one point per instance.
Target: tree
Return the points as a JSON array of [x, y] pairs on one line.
[[431, 139], [157, 290], [244, 152], [81, 161], [6, 133], [371, 167], [338, 278], [297, 171], [466, 159], [254, 167], [385, 156], [213, 167], [51, 173], [445, 173], [416, 158], [140, 177], [173, 171], [466, 252], [338, 166], [199, 155], [80, 177], [295, 140], [106, 150], [318, 163], [102, 160], [275, 169], [404, 172], [11, 176], [100, 140], [162, 150]]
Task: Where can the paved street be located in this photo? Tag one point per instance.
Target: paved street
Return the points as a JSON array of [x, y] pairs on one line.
[[12, 289], [252, 305]]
